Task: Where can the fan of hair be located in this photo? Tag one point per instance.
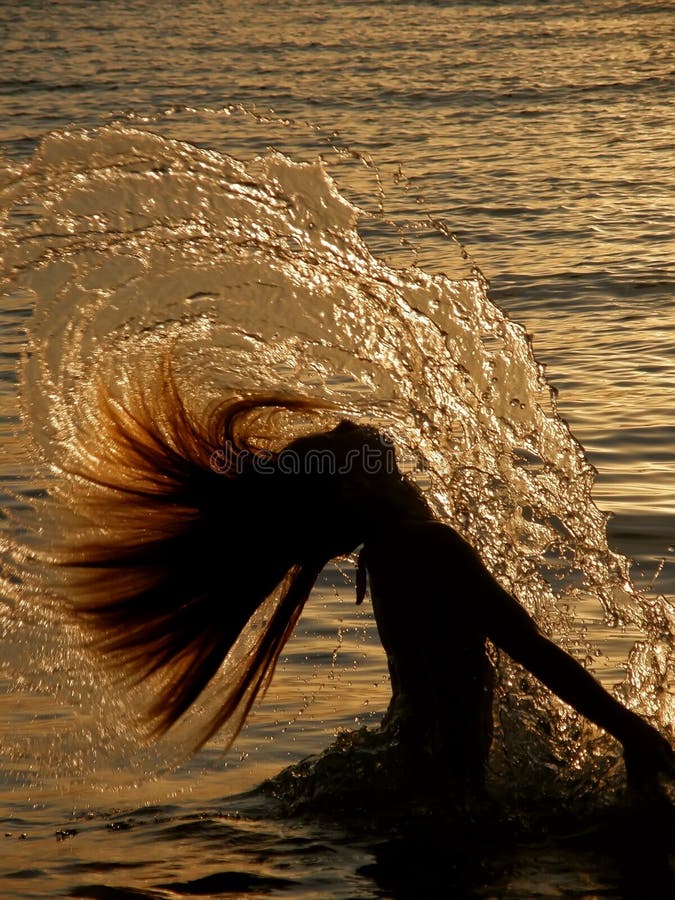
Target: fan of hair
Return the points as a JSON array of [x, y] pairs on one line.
[[174, 554]]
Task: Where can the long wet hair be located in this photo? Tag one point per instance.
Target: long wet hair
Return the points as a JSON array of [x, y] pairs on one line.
[[192, 526]]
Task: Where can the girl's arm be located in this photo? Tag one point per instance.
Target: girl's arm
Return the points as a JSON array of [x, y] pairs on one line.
[[645, 749], [509, 626]]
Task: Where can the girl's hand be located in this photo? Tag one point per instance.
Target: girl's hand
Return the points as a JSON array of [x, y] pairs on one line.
[[647, 755]]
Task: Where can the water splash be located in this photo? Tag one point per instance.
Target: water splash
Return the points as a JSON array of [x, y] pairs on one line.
[[264, 276]]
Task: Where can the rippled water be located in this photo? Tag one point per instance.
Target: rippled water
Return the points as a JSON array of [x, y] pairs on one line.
[[541, 138]]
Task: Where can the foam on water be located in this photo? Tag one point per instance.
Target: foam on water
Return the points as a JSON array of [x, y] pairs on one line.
[[262, 276]]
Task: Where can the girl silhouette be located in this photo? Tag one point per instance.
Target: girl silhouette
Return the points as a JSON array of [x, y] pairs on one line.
[[196, 524]]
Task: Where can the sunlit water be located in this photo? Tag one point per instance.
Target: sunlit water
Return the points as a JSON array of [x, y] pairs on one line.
[[540, 139]]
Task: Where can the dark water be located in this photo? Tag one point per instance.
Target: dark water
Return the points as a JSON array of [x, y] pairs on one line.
[[541, 137]]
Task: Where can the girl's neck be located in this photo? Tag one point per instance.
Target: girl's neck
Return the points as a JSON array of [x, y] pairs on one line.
[[400, 506]]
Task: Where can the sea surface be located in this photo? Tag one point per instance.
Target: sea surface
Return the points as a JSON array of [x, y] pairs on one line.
[[524, 150]]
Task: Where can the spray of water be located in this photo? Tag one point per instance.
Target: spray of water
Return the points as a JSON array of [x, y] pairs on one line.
[[126, 245]]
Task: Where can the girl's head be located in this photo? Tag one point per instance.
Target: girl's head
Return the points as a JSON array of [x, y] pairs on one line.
[[338, 481], [192, 525], [326, 491]]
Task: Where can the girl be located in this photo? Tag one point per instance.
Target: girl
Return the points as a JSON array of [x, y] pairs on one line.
[[197, 524]]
